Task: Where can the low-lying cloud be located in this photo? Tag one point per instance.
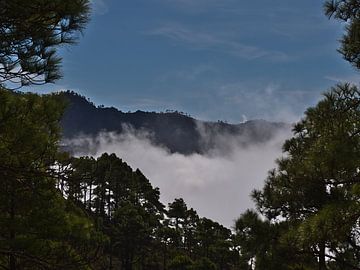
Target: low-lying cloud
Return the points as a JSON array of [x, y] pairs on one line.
[[216, 184]]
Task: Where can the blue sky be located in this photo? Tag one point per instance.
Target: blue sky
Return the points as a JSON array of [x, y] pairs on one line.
[[215, 59]]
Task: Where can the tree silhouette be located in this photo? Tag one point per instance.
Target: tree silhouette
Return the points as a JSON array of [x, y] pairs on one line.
[[315, 187], [347, 11], [31, 32]]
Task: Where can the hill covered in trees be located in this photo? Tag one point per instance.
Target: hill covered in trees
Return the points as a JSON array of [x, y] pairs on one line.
[[176, 131]]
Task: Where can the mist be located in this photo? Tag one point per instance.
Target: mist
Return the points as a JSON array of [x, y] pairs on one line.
[[216, 184]]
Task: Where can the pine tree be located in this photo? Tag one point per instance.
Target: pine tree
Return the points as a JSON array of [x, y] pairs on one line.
[[316, 186], [31, 32], [347, 11], [39, 229]]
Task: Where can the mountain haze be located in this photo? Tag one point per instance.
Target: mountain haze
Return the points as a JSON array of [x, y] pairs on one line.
[[176, 131]]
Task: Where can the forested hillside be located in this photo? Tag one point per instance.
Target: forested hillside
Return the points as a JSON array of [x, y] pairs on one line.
[[176, 131]]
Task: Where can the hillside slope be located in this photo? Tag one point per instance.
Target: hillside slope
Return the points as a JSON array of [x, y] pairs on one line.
[[173, 130]]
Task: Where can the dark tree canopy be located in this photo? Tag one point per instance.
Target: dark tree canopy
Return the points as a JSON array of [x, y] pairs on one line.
[[315, 187], [31, 32], [347, 11], [39, 229]]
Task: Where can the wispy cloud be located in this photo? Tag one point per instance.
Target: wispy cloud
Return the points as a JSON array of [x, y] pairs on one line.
[[269, 100], [214, 42], [198, 5], [352, 78], [191, 73]]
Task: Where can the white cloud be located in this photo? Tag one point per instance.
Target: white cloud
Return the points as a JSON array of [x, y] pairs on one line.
[[217, 185], [215, 42]]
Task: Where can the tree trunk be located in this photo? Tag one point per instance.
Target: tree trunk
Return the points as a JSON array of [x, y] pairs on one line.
[[164, 256], [12, 259], [111, 256], [90, 196], [322, 261], [12, 262]]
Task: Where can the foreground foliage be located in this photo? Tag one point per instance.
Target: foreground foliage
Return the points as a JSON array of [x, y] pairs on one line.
[[30, 34], [311, 201], [37, 226], [347, 11], [62, 212]]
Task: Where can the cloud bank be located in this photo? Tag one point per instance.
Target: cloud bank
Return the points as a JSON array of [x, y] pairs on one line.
[[216, 184]]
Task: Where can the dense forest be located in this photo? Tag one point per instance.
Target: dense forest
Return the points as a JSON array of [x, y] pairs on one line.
[[63, 212]]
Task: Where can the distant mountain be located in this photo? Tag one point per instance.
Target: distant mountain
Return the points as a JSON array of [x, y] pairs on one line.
[[174, 130]]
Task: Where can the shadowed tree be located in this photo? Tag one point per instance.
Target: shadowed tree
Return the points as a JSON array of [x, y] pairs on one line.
[[39, 229], [31, 32], [125, 205], [215, 244], [316, 186], [181, 262], [264, 247], [177, 214], [347, 11]]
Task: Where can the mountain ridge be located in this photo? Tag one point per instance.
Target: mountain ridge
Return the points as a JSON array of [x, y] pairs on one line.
[[176, 131]]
